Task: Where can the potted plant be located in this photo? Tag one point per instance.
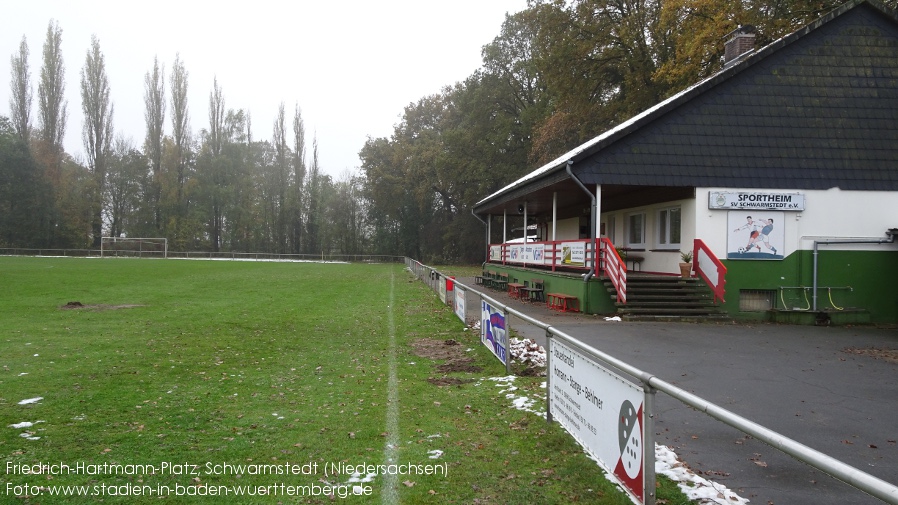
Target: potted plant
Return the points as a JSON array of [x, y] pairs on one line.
[[622, 253], [686, 264]]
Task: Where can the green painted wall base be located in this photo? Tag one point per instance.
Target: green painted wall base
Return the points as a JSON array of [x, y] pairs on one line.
[[592, 295], [862, 283], [820, 318]]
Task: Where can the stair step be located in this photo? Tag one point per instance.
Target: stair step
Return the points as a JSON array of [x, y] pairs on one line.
[[668, 310], [678, 303], [667, 298], [675, 318], [696, 295]]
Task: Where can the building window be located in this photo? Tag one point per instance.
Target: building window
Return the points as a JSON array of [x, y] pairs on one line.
[[636, 230], [669, 228]]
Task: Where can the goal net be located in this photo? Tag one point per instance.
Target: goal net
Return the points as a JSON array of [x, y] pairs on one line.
[[137, 247]]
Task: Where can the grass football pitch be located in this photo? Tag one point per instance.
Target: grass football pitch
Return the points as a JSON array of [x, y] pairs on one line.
[[140, 381]]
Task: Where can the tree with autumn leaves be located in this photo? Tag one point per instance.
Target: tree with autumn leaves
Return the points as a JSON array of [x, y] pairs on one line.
[[558, 74]]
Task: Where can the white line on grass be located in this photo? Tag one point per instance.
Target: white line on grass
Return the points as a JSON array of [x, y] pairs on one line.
[[390, 491]]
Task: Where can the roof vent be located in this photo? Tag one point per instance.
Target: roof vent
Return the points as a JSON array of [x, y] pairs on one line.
[[741, 41]]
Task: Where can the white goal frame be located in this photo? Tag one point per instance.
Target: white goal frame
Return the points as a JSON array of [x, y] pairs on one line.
[[139, 251]]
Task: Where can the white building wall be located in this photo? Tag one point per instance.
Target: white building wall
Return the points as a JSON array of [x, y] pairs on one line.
[[658, 257], [568, 229], [828, 214]]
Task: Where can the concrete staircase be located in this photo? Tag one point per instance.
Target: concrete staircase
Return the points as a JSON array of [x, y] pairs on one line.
[[666, 298]]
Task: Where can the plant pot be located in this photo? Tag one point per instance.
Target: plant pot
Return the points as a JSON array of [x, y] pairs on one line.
[[686, 270]]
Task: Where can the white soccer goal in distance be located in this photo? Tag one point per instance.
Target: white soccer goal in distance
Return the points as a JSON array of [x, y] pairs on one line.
[[137, 247]]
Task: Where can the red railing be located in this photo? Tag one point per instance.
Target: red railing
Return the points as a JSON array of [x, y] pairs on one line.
[[709, 269], [569, 254], [613, 267], [572, 254]]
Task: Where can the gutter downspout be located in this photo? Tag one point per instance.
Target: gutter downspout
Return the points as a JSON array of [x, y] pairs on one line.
[[592, 220], [890, 239]]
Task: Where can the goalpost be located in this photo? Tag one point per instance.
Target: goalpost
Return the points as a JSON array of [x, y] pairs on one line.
[[139, 247]]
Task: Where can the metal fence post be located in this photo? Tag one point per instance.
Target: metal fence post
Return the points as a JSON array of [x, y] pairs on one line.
[[648, 444], [548, 376]]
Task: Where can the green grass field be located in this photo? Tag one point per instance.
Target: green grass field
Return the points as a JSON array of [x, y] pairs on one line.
[[193, 381]]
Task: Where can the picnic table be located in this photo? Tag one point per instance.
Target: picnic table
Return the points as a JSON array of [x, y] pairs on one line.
[[514, 289]]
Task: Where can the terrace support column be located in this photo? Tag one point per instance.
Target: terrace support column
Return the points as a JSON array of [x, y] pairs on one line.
[[525, 222], [504, 225], [489, 229], [554, 214]]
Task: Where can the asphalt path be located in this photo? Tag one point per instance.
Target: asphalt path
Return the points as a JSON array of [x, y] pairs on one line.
[[830, 388]]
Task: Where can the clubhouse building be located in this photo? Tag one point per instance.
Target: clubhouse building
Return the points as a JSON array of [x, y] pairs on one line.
[[779, 174]]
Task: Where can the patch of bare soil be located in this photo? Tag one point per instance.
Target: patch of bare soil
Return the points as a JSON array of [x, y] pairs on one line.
[[79, 305], [890, 355], [432, 348], [450, 351], [461, 365], [448, 381], [534, 371]]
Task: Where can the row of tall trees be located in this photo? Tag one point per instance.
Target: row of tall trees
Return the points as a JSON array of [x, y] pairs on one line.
[[217, 189], [559, 73]]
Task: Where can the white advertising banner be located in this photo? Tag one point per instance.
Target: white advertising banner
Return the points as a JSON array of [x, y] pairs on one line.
[[533, 254], [602, 411], [442, 282], [492, 331], [573, 254], [495, 253], [460, 303]]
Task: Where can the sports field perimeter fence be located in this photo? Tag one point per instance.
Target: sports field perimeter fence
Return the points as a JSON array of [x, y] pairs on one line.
[[260, 256], [650, 384]]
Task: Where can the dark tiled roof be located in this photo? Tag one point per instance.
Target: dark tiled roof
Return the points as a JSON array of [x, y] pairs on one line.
[[815, 110]]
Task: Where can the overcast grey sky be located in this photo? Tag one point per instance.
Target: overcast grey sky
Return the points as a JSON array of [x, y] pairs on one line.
[[351, 66]]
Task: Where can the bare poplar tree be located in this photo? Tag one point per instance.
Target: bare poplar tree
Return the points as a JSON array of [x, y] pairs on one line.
[[154, 115], [218, 136], [217, 132], [299, 175], [20, 98], [313, 217], [51, 97], [249, 129], [97, 130], [180, 125], [282, 172]]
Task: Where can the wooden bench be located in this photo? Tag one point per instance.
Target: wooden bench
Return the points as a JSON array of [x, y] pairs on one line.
[[562, 302], [501, 282], [535, 291], [489, 279]]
